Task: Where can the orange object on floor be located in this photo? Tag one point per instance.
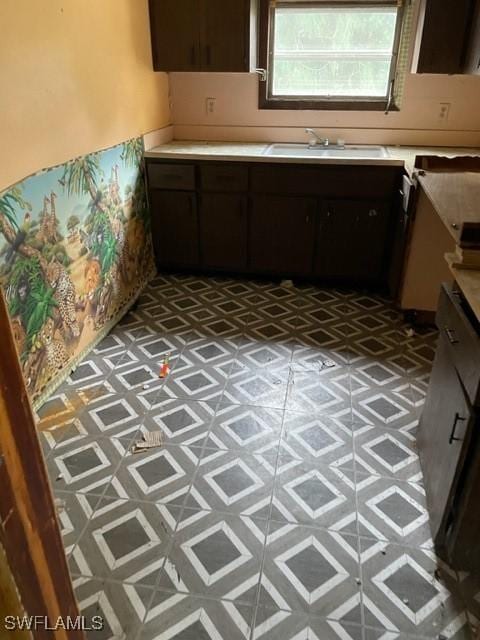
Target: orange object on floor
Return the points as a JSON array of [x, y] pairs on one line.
[[165, 369]]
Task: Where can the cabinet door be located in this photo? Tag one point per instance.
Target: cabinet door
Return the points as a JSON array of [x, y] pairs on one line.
[[445, 36], [223, 231], [352, 240], [175, 228], [175, 34], [225, 41], [282, 235], [444, 427]]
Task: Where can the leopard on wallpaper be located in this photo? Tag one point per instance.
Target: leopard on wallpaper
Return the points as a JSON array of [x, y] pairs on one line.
[[75, 251]]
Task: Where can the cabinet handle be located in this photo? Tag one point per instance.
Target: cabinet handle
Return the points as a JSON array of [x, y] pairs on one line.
[[307, 219], [451, 335], [458, 419], [193, 56], [209, 54]]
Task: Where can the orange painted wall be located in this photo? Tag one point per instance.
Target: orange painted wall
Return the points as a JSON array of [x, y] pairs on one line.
[[75, 77]]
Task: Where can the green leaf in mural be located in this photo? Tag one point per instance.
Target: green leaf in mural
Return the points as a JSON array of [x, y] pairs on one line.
[[104, 246], [132, 152], [30, 297], [10, 201], [80, 176]]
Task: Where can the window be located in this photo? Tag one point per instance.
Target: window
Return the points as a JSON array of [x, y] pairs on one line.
[[330, 54]]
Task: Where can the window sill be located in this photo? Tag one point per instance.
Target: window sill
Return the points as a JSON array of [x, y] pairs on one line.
[[325, 105]]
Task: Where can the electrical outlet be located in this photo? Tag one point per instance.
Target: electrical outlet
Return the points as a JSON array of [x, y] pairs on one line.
[[210, 104], [444, 111]]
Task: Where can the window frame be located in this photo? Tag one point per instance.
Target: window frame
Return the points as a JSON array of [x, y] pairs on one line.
[[265, 52]]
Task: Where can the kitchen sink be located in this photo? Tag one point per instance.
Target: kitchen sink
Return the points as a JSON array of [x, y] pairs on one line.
[[333, 151]]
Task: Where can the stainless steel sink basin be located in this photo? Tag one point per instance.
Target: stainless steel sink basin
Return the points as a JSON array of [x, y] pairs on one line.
[[305, 151]]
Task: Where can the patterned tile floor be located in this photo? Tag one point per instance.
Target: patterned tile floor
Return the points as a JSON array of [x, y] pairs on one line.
[[287, 500]]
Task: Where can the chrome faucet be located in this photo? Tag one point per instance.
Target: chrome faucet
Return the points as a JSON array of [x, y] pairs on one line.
[[315, 139]]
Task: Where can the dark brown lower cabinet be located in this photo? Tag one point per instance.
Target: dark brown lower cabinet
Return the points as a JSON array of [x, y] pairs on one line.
[[284, 221], [352, 237], [282, 234], [223, 231], [449, 435], [445, 424], [175, 228]]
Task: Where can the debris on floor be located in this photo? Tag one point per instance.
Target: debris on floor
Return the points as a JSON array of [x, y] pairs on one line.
[[328, 364], [150, 440], [59, 504], [165, 368], [287, 284]]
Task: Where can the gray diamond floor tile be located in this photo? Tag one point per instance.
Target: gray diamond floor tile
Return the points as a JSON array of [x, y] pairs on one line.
[[181, 422], [316, 438], [273, 624], [386, 452], [314, 494], [233, 481], [196, 383], [263, 353], [312, 571], [216, 555], [117, 607], [157, 475], [310, 392], [261, 387], [85, 465], [397, 509], [245, 428], [124, 540], [410, 591], [183, 617]]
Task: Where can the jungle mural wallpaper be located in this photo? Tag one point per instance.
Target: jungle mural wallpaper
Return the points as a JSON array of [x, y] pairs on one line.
[[75, 251]]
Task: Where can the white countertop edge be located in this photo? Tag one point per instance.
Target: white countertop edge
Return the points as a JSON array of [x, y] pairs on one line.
[[244, 157]]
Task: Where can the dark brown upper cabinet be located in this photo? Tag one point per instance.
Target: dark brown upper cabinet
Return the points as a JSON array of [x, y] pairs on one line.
[[448, 39], [202, 35]]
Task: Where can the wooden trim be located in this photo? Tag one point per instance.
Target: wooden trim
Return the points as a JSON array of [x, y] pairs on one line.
[[28, 521], [311, 103]]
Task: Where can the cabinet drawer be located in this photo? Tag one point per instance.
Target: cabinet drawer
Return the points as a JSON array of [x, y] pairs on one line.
[[171, 176], [325, 181], [463, 341], [224, 177]]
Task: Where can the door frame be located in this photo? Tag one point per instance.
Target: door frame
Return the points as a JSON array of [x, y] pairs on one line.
[[29, 529]]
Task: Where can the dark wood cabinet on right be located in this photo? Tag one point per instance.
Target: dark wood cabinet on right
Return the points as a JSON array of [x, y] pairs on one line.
[[449, 435], [353, 239], [449, 37]]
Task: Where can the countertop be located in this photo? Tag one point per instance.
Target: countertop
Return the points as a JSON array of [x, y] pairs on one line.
[[456, 199], [255, 152], [455, 196], [469, 282]]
